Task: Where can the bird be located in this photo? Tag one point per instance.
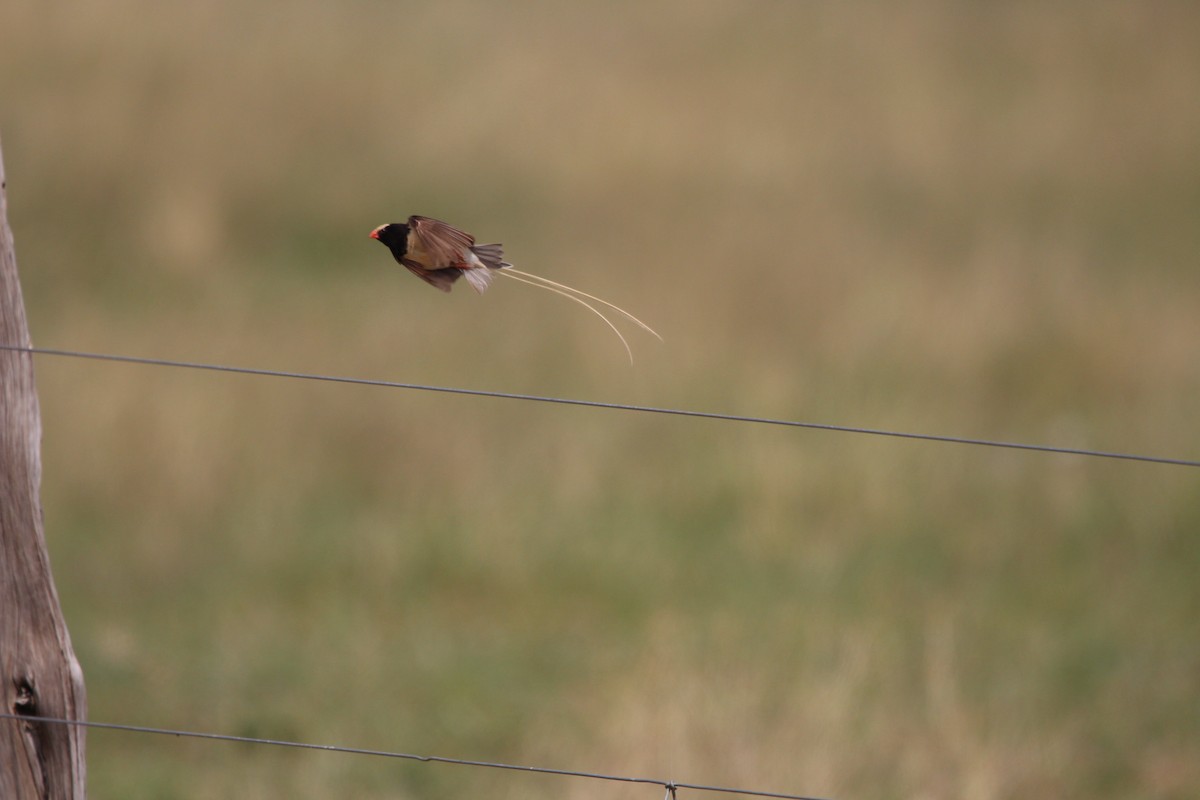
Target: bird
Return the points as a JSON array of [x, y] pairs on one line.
[[439, 254]]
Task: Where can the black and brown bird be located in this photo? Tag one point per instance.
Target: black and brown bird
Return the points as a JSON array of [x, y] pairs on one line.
[[439, 254]]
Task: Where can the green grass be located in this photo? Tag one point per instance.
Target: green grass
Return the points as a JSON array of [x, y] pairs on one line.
[[963, 220]]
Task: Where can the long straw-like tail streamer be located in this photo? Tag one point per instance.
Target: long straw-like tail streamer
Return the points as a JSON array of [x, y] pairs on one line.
[[573, 290], [519, 276]]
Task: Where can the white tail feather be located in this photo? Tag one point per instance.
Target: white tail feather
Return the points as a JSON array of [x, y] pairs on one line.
[[573, 290], [479, 279], [523, 277]]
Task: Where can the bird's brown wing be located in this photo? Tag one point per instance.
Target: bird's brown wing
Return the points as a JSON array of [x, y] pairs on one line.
[[441, 278], [437, 245]]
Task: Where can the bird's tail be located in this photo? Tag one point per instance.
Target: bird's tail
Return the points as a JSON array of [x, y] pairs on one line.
[[492, 257], [577, 295]]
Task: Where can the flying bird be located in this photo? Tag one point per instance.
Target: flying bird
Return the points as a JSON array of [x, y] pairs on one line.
[[439, 254]]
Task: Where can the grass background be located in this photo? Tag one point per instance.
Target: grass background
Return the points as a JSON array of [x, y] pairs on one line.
[[933, 216]]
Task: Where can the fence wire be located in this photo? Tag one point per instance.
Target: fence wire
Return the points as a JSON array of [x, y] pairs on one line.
[[670, 786], [679, 412]]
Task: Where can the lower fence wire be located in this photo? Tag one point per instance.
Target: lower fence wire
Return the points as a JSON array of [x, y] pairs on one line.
[[678, 412], [670, 786]]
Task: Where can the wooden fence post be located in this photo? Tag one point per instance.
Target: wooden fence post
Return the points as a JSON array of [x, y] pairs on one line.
[[39, 673]]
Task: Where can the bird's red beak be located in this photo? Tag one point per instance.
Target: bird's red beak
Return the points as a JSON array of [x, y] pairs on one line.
[[375, 233]]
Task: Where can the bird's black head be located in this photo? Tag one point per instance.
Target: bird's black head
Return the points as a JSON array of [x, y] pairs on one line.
[[395, 236]]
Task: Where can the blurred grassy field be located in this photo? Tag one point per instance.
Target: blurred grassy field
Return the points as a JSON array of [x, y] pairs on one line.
[[944, 217]]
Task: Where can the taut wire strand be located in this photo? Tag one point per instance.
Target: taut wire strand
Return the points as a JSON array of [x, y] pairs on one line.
[[679, 412], [568, 773]]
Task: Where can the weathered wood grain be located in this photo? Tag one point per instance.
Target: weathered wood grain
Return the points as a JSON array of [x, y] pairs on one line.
[[39, 675]]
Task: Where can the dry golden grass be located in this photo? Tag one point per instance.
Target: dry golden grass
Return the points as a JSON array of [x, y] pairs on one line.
[[936, 217]]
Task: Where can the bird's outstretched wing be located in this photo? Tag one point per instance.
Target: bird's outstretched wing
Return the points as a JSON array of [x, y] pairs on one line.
[[437, 245]]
